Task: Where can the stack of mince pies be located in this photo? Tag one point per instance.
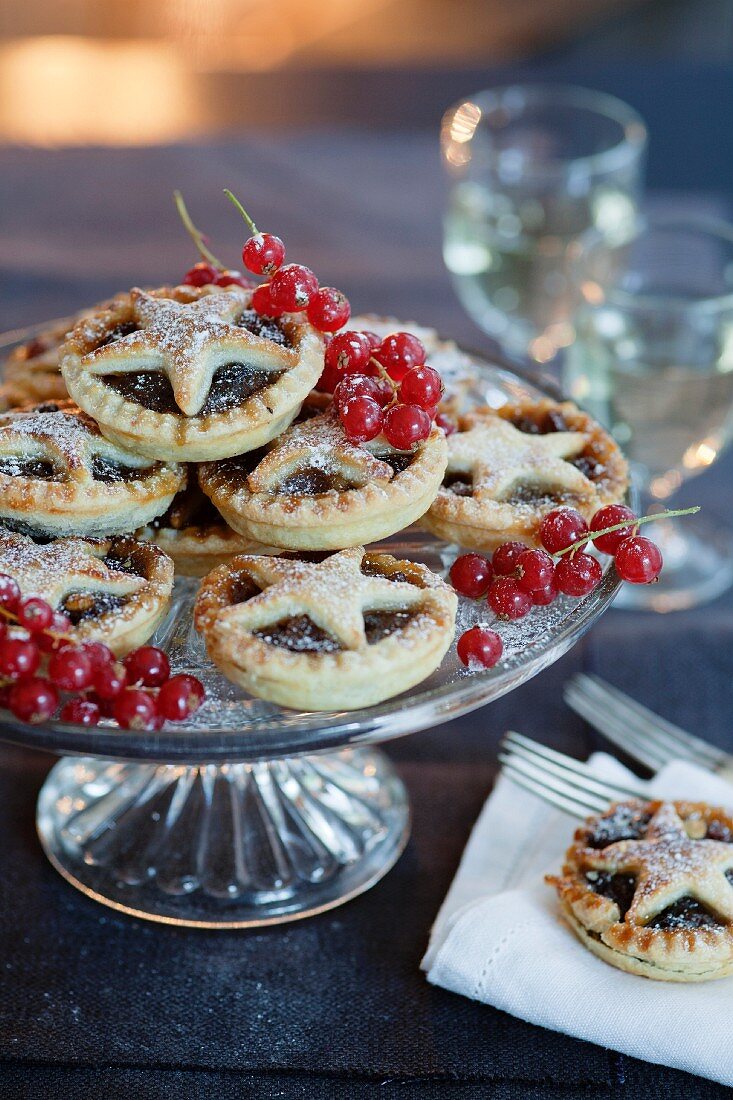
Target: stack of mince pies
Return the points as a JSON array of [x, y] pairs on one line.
[[176, 430]]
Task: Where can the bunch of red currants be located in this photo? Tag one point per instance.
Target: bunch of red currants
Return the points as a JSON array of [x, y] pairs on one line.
[[139, 692], [518, 577]]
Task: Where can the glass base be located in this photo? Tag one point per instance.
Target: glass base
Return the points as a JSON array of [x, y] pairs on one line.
[[225, 846], [698, 566]]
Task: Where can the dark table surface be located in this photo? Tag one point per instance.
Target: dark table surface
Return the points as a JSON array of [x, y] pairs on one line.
[[94, 1003]]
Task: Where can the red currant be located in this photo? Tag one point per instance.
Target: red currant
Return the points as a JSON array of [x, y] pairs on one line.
[[80, 712], [638, 560], [362, 418], [201, 274], [577, 574], [53, 638], [35, 615], [99, 654], [148, 666], [262, 303], [33, 700], [406, 425], [9, 592], [374, 340], [328, 309], [398, 353], [507, 600], [471, 575], [361, 385], [232, 278], [422, 386], [135, 710], [561, 528], [263, 254], [292, 287], [349, 351], [180, 697], [535, 570], [609, 517], [543, 597], [19, 658], [479, 647], [5, 695], [71, 669], [445, 422], [505, 558], [110, 680]]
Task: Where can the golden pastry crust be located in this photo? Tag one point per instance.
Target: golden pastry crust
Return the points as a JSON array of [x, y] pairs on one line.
[[345, 633], [190, 339], [648, 887], [116, 591], [60, 476], [316, 491], [194, 535], [501, 479]]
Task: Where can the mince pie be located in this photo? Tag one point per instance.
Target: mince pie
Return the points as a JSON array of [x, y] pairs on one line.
[[648, 887], [60, 476], [194, 535], [190, 373], [349, 631], [508, 467], [314, 490], [115, 590]]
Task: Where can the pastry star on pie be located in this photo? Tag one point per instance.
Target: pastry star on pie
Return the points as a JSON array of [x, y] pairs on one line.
[[60, 476], [649, 888], [314, 490], [508, 467], [189, 373], [349, 631], [114, 590]]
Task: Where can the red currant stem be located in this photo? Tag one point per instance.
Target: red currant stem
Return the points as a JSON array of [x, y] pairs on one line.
[[592, 535], [250, 224], [195, 234], [386, 377]]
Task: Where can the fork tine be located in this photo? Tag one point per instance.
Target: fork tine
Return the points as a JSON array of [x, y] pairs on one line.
[[564, 767], [618, 732], [593, 799], [630, 725], [663, 731], [573, 806]]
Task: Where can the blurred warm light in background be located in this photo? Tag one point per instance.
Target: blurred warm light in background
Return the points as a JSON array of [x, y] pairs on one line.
[[55, 90], [77, 71]]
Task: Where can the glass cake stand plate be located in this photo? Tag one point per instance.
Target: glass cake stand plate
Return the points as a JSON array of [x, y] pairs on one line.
[[249, 814]]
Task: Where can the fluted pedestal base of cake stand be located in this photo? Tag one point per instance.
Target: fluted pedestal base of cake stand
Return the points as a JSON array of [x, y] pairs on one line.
[[228, 845]]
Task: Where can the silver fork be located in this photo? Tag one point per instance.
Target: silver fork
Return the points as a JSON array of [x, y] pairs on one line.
[[646, 737], [558, 779]]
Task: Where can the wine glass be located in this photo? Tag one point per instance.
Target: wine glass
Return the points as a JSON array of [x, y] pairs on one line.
[[532, 169], [653, 360]]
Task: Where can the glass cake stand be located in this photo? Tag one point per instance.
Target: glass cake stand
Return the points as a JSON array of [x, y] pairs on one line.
[[249, 814]]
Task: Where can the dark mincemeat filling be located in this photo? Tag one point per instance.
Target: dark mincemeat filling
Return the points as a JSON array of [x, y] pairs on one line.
[[124, 328], [554, 421], [686, 913], [399, 462], [230, 387], [312, 481], [103, 469], [718, 830], [34, 468], [299, 633], [371, 569], [267, 327], [619, 888], [189, 508], [80, 606], [625, 823], [459, 484]]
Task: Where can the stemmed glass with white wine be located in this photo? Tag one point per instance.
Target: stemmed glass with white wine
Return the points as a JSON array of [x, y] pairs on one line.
[[653, 360], [532, 169]]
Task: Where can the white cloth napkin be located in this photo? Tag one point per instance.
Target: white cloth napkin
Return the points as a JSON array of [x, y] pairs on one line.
[[499, 938]]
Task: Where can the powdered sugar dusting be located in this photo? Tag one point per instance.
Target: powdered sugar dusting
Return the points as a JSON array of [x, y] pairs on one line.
[[67, 437], [52, 570]]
